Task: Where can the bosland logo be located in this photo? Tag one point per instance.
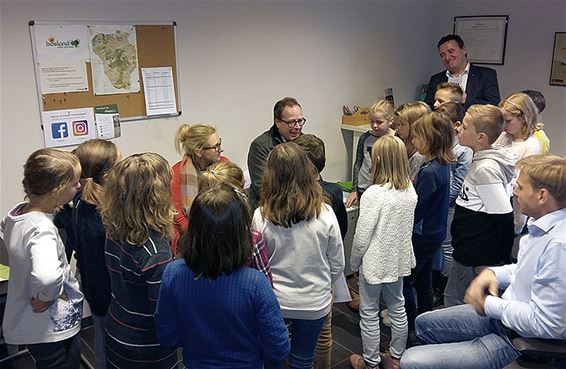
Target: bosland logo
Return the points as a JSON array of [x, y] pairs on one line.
[[70, 44]]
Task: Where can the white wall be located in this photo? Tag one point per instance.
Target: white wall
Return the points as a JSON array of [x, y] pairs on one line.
[[236, 60], [528, 56]]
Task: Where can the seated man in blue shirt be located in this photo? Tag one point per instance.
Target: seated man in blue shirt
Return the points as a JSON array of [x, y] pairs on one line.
[[478, 335]]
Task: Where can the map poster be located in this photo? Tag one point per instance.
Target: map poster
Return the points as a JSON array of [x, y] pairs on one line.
[[62, 53], [68, 127], [114, 59], [107, 121]]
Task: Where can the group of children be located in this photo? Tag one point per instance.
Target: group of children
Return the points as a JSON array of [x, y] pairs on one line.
[[119, 218], [443, 202], [126, 219]]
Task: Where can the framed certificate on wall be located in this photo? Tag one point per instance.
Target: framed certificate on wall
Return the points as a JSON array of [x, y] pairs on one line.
[[484, 37], [558, 68]]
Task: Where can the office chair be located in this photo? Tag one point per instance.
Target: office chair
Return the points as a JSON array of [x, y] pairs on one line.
[[539, 354]]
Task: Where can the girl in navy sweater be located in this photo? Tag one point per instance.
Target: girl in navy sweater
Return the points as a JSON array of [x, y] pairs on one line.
[[432, 137], [222, 313], [87, 234]]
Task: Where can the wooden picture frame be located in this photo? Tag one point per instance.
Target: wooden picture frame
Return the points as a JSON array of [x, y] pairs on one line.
[[485, 37], [558, 66]]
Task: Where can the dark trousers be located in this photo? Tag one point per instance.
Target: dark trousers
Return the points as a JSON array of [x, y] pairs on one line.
[[64, 354], [420, 281]]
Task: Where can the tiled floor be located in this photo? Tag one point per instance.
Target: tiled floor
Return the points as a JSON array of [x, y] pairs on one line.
[[345, 333], [346, 336]]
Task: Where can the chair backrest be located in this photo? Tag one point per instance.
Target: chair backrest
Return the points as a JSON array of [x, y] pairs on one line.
[[539, 353]]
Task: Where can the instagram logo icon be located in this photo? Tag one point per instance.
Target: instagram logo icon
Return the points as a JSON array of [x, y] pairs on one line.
[[80, 128]]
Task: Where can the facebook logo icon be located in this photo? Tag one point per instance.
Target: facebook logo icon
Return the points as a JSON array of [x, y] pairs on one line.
[[59, 130]]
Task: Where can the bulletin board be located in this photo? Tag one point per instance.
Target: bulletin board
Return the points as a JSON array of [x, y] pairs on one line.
[[156, 47]]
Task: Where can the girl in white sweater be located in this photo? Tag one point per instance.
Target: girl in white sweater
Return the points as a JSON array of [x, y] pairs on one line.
[[44, 304], [304, 245], [382, 252]]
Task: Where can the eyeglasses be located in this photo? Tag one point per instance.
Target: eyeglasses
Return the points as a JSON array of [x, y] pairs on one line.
[[301, 122], [216, 147]]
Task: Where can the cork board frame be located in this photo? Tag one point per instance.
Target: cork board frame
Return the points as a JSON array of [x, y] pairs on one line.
[[156, 47]]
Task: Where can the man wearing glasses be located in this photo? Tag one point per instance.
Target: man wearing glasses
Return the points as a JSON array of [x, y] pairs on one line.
[[288, 122]]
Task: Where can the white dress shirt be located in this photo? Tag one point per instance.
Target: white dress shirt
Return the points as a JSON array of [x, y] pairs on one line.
[[534, 303]]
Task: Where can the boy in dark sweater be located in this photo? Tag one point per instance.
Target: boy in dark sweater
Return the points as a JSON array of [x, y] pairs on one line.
[[314, 148], [482, 229]]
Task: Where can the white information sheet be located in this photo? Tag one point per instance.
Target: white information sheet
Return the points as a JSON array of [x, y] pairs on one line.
[[68, 127], [63, 78], [62, 53], [107, 121], [159, 91]]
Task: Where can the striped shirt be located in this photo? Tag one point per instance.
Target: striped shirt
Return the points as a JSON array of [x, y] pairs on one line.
[[135, 273]]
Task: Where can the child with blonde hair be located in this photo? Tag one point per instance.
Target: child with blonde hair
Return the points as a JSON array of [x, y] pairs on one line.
[[44, 303], [433, 138], [232, 175], [87, 234], [138, 215], [221, 172], [200, 146], [381, 120], [382, 252], [521, 117], [407, 114]]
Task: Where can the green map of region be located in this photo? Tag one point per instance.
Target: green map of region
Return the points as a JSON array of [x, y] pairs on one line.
[[118, 56]]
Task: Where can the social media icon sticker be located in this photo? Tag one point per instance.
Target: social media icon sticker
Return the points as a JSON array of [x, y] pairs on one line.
[[59, 130], [80, 128]]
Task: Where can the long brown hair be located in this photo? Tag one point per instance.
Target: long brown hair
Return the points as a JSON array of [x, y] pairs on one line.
[[290, 191], [137, 199], [436, 129], [98, 157]]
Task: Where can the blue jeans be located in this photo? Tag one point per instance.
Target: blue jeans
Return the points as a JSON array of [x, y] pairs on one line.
[[443, 258], [64, 354], [459, 338], [369, 313], [304, 335], [420, 281]]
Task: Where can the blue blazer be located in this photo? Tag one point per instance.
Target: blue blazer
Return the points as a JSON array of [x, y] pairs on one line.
[[481, 88]]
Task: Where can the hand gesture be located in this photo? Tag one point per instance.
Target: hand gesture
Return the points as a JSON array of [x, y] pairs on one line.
[[39, 306], [483, 285], [352, 199]]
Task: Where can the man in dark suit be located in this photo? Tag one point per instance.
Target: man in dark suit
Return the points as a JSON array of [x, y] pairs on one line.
[[480, 83]]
